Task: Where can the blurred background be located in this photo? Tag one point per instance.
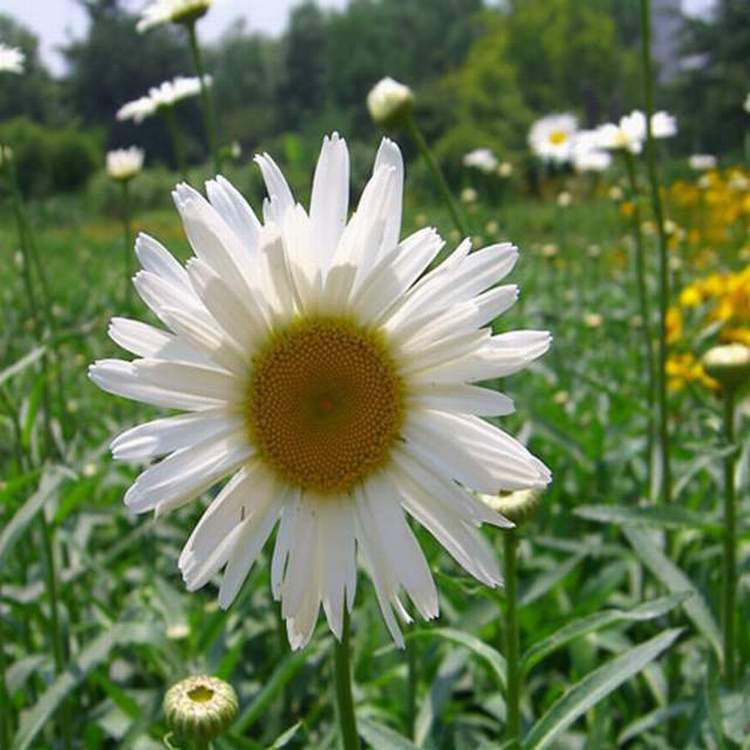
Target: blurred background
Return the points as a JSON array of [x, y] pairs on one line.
[[285, 72]]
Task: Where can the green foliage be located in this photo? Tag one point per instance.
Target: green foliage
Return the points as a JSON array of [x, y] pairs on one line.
[[50, 159]]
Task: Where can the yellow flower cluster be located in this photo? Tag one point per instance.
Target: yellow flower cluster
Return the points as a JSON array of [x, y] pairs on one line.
[[717, 206], [719, 303]]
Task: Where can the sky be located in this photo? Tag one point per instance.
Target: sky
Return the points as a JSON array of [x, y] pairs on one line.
[[56, 21]]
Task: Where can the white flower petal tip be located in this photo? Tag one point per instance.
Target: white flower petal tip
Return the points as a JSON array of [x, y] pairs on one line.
[[259, 329]]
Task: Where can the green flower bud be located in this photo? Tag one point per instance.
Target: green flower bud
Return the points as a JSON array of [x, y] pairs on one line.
[[200, 707], [516, 506], [390, 103], [729, 365]]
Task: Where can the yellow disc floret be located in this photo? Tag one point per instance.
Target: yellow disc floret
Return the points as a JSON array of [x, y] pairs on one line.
[[326, 404], [558, 137]]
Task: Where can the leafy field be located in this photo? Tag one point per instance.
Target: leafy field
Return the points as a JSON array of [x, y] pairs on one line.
[[603, 603]]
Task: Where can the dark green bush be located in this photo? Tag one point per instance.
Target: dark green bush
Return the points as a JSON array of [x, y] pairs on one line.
[[50, 159]]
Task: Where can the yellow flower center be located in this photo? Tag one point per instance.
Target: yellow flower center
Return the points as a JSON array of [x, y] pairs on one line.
[[558, 136], [201, 694], [326, 404]]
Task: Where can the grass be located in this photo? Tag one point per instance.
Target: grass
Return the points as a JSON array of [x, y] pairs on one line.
[[585, 575]]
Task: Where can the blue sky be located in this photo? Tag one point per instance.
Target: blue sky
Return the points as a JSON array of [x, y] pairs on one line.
[[55, 21]]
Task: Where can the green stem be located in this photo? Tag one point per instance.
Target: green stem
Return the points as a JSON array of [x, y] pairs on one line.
[[729, 588], [666, 470], [128, 237], [413, 679], [178, 145], [645, 308], [206, 100], [6, 707], [343, 682], [512, 648], [437, 174]]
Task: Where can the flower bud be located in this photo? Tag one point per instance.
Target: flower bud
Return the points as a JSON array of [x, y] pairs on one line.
[[729, 365], [390, 103], [200, 707], [516, 506]]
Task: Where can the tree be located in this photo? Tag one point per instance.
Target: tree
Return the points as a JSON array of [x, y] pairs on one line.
[[712, 93], [34, 94]]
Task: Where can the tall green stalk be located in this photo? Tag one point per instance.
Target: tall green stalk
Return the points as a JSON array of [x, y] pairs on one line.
[[437, 174], [645, 308], [512, 645], [648, 84], [206, 99], [128, 238], [178, 145], [729, 582], [343, 685]]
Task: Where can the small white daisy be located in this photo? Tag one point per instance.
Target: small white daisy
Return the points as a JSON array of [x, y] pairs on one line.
[[166, 94], [482, 159], [702, 162], [124, 163], [588, 155], [330, 372], [159, 12], [552, 137], [11, 59], [630, 133]]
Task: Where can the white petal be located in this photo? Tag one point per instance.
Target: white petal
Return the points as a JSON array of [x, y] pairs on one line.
[[280, 196], [235, 211], [396, 273], [144, 340], [161, 436], [329, 202], [398, 542], [389, 155], [120, 377], [477, 454], [156, 259], [192, 379], [465, 399], [187, 473]]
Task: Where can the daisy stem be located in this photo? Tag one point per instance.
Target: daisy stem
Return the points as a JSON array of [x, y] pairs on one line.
[[648, 84], [729, 588], [206, 102], [128, 238], [178, 146], [343, 681], [437, 174], [413, 678], [512, 648], [645, 307]]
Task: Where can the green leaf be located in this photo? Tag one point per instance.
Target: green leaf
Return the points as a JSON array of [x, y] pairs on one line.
[[657, 718], [94, 654], [548, 580], [593, 687], [676, 581], [672, 516], [48, 485], [491, 656], [285, 737], [275, 684], [20, 365], [590, 624], [382, 737]]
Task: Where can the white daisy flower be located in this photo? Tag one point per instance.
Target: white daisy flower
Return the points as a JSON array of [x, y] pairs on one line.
[[159, 12], [6, 154], [166, 94], [482, 159], [389, 102], [11, 59], [588, 155], [124, 163], [630, 133], [702, 162], [321, 364], [552, 137]]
